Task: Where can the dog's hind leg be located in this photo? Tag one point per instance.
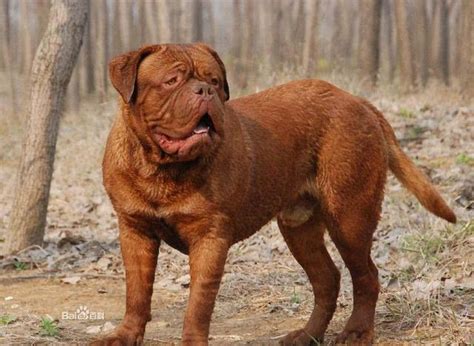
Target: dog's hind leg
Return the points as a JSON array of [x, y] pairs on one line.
[[306, 242], [351, 173], [353, 238], [351, 216]]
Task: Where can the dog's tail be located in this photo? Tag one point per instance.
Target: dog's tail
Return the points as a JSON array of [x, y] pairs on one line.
[[410, 176]]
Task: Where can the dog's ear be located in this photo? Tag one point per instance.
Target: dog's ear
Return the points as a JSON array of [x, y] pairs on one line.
[[123, 71], [221, 65]]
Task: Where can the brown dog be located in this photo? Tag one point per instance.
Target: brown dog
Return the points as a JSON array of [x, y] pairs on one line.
[[184, 166]]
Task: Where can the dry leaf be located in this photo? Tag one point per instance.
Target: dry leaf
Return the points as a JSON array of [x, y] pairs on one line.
[[93, 329], [72, 280]]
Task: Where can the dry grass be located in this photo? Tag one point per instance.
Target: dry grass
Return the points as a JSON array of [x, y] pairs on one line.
[[425, 264]]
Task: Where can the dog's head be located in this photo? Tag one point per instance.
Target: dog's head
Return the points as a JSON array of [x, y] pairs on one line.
[[174, 96]]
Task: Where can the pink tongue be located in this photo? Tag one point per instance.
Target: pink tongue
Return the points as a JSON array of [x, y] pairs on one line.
[[201, 128]]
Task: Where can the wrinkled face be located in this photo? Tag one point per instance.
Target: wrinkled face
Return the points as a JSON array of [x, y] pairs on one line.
[[176, 98]]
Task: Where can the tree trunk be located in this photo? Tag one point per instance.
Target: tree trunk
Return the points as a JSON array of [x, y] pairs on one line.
[[248, 35], [369, 30], [440, 42], [456, 39], [387, 39], [265, 33], [116, 31], [423, 40], [277, 32], [43, 14], [27, 52], [174, 15], [405, 54], [73, 91], [139, 31], [185, 22], [197, 31], [298, 25], [236, 32], [237, 45], [467, 49], [164, 15], [87, 65], [6, 51], [287, 42], [343, 33], [209, 13], [310, 34], [51, 72], [125, 18], [151, 22], [101, 48], [4, 31]]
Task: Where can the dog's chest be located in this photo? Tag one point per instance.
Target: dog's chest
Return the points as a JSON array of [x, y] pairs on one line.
[[154, 200], [181, 217], [189, 206], [170, 218]]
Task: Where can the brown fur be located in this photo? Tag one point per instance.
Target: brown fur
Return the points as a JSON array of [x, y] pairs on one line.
[[305, 152]]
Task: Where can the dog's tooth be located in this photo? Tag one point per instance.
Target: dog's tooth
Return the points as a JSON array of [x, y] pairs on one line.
[[201, 129]]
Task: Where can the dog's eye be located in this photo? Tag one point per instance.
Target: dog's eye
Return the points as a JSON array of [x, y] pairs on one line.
[[171, 81], [215, 81]]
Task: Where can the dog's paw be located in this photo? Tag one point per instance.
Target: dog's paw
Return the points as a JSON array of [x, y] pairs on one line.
[[355, 337], [300, 338], [120, 337]]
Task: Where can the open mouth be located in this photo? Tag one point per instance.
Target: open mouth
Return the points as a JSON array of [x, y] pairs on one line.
[[201, 134], [204, 125]]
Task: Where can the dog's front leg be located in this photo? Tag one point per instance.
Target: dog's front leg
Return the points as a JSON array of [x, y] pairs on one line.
[[139, 246], [206, 259]]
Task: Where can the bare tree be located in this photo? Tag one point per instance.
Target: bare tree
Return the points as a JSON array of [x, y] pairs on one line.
[[248, 34], [139, 31], [73, 92], [265, 22], [405, 54], [197, 30], [298, 25], [456, 39], [467, 50], [164, 21], [439, 60], [237, 45], [151, 22], [51, 72], [209, 15], [413, 39], [101, 48], [287, 42], [276, 30], [5, 38], [27, 49], [115, 28], [44, 6], [369, 31], [422, 38], [310, 35], [87, 60], [387, 40], [343, 31], [125, 20], [174, 15], [236, 33], [185, 22]]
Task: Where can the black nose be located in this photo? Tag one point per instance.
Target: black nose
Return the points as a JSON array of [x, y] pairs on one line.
[[203, 89]]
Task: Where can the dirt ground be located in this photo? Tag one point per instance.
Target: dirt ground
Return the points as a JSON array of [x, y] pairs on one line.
[[425, 264]]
